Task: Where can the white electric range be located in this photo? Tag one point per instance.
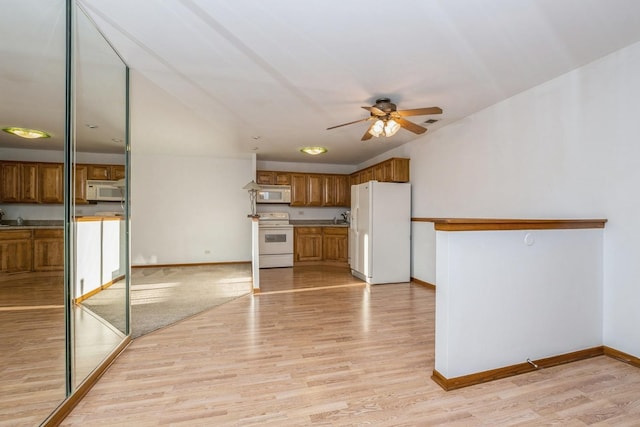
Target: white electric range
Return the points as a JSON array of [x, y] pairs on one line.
[[275, 247]]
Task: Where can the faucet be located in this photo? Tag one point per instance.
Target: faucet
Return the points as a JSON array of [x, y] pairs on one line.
[[1, 214]]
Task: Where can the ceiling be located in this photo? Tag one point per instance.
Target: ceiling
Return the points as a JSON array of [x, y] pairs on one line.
[[241, 76]]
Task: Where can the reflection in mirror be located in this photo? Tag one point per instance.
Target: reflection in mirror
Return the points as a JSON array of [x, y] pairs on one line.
[[32, 328], [100, 280]]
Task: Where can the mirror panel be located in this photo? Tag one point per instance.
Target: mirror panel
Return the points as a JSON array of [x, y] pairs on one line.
[[100, 283], [42, 314], [32, 311]]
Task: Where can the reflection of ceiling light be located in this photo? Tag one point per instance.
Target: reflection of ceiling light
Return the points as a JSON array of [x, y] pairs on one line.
[[27, 133], [313, 150], [388, 127]]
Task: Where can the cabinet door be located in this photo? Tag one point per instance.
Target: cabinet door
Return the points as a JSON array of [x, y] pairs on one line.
[[11, 182], [99, 172], [30, 182], [265, 177], [342, 191], [117, 172], [15, 251], [80, 184], [308, 244], [298, 189], [51, 182], [48, 250], [396, 170], [283, 178], [366, 175], [314, 190], [335, 244], [329, 190], [354, 179]]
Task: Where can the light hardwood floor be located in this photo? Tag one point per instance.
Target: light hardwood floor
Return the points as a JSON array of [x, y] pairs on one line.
[[340, 354]]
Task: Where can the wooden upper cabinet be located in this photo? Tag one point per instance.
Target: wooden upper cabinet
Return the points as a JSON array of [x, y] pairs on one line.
[[396, 170], [298, 189], [117, 172], [315, 186], [80, 184], [393, 170], [98, 172], [105, 172], [51, 182], [343, 190], [273, 178], [336, 190], [19, 182], [329, 190]]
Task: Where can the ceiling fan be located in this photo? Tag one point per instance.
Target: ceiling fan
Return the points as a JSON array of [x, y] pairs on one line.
[[387, 119]]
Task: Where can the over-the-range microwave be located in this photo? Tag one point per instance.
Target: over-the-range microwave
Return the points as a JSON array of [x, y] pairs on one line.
[[274, 194], [105, 191]]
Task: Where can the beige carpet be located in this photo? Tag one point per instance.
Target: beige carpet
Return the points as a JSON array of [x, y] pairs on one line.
[[161, 296]]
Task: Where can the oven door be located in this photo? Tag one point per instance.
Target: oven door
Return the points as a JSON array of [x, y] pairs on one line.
[[275, 240]]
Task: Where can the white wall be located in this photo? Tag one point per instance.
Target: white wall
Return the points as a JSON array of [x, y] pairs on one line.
[[567, 148], [502, 298], [189, 209]]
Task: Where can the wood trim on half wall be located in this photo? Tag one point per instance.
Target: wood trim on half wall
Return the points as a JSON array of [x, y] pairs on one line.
[[509, 371], [488, 224]]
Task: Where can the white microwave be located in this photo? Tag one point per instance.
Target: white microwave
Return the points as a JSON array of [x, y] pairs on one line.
[[274, 194], [105, 191]]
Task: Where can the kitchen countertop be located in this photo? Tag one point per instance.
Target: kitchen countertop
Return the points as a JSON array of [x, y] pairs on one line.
[[317, 223], [30, 224]]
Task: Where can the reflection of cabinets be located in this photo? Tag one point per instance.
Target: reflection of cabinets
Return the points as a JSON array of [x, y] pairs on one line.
[[80, 183], [308, 243], [15, 251], [31, 250], [48, 250], [51, 182], [108, 172], [273, 178], [30, 182], [19, 182], [321, 244], [335, 244]]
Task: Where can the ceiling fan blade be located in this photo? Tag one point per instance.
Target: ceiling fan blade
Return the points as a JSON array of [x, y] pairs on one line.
[[419, 111], [350, 123], [410, 126], [367, 135], [375, 110]]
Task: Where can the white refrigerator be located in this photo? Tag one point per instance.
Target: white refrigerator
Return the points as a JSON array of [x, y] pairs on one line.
[[380, 232]]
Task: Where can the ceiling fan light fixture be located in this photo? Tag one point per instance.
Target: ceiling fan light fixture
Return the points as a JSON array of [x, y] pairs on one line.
[[314, 151], [377, 129], [26, 133], [391, 128]]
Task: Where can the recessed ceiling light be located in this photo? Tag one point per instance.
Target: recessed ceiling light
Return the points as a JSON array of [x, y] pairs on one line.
[[313, 150], [91, 126], [26, 133], [117, 140]]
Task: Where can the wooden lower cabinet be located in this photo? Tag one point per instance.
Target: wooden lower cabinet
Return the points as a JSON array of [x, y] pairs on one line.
[[48, 250], [335, 244], [15, 251], [27, 250], [321, 244], [307, 244]]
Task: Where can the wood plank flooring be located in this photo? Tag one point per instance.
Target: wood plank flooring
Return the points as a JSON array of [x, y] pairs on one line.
[[339, 354]]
